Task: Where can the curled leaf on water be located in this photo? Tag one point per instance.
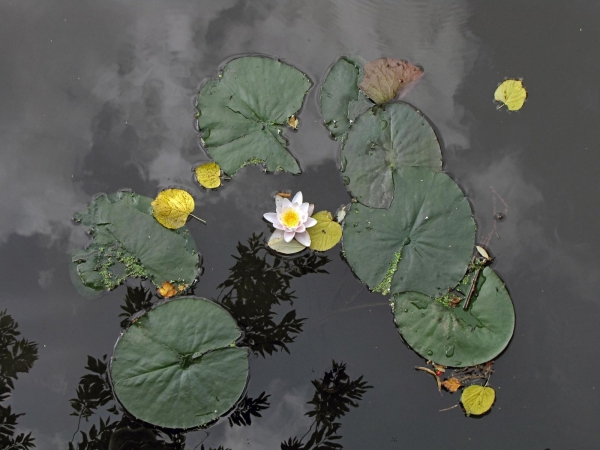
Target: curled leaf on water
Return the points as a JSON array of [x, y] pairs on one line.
[[172, 207], [293, 122], [483, 252], [209, 175], [511, 93], [451, 384], [387, 78], [326, 233], [477, 399], [167, 290]]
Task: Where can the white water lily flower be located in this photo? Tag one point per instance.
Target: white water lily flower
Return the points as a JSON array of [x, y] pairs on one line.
[[292, 219]]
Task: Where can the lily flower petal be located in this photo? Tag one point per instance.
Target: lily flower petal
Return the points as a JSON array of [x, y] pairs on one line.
[[311, 209], [271, 217], [297, 198], [310, 222], [288, 235], [278, 201], [303, 238]]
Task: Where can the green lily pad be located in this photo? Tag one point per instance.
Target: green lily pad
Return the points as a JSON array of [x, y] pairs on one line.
[[177, 366], [423, 243], [242, 114], [127, 241], [339, 90], [383, 141], [451, 336]]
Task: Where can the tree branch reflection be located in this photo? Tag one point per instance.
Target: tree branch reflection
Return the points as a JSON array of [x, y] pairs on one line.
[[17, 355]]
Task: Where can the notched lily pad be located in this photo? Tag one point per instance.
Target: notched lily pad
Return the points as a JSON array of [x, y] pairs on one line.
[[177, 366], [449, 335], [423, 242], [387, 78], [242, 114], [127, 241], [339, 91], [382, 142]]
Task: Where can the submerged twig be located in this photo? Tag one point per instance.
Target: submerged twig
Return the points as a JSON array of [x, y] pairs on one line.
[[472, 290], [431, 372], [448, 409], [198, 218]]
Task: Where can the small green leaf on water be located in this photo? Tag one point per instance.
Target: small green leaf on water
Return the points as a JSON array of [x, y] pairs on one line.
[[477, 399], [326, 233]]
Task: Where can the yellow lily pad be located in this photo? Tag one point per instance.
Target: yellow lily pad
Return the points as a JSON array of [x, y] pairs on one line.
[[172, 207], [512, 93], [477, 399], [209, 175], [326, 233]]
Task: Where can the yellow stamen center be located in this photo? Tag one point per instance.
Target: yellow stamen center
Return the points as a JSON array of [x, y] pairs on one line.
[[290, 218]]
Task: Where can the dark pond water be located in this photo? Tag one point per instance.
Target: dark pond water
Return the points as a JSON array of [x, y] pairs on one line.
[[97, 96]]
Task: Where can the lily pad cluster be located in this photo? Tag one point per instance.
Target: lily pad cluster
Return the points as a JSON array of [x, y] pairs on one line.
[[409, 232]]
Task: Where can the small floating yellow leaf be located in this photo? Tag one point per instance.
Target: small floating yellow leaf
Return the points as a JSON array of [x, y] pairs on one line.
[[172, 207], [209, 175], [293, 122], [326, 233], [512, 93], [477, 399], [167, 290]]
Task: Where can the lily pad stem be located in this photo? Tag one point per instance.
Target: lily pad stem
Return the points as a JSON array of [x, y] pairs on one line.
[[198, 218]]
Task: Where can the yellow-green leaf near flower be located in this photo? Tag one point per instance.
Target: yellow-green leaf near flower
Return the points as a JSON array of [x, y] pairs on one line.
[[477, 399], [326, 233], [172, 207], [209, 175], [512, 93]]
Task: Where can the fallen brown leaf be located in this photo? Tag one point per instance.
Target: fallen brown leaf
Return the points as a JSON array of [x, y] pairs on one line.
[[451, 384]]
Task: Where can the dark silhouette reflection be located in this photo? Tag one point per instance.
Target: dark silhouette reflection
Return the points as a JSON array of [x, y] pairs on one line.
[[334, 394], [17, 355], [259, 281]]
